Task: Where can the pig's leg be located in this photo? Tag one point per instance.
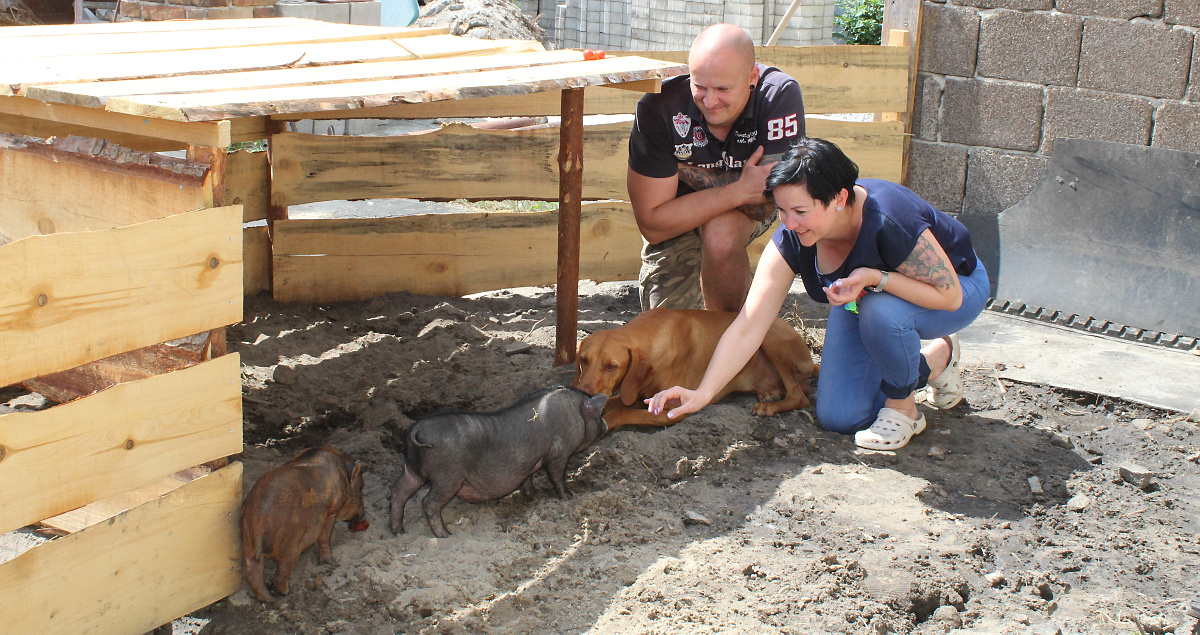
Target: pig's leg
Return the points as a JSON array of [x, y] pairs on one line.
[[440, 493], [283, 571], [557, 472], [527, 487], [254, 578], [324, 551], [405, 487]]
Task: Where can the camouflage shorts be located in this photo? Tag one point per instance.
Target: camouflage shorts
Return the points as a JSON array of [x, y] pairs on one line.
[[670, 274]]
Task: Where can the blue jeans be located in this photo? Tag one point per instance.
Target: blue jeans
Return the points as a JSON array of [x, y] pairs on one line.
[[876, 355]]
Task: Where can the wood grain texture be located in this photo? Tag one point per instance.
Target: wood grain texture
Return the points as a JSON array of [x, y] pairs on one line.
[[119, 290], [118, 439], [256, 256], [42, 71], [145, 567], [463, 162], [455, 162], [207, 133], [832, 79], [445, 254], [248, 183], [45, 189], [350, 96]]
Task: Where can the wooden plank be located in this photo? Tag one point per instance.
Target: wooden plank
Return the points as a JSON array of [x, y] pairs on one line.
[[122, 66], [145, 567], [256, 255], [118, 439], [119, 290], [150, 27], [46, 189], [14, 46], [877, 147], [248, 183], [96, 94], [210, 133], [366, 94], [445, 254], [463, 162], [832, 78], [455, 162], [101, 510], [29, 126]]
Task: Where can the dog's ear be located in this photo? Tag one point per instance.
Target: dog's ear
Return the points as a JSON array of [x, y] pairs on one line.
[[635, 376]]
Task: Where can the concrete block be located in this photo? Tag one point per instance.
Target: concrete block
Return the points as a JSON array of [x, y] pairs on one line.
[[998, 180], [1195, 91], [937, 174], [927, 103], [1019, 5], [1031, 47], [991, 113], [1081, 114], [1123, 9], [1185, 12], [336, 12], [266, 12], [949, 39], [1177, 127], [1133, 473], [366, 13], [307, 10], [1142, 59]]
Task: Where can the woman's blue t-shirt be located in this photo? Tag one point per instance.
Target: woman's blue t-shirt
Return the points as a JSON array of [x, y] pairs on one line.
[[893, 219]]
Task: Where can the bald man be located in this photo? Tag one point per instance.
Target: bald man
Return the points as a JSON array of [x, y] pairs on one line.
[[699, 155]]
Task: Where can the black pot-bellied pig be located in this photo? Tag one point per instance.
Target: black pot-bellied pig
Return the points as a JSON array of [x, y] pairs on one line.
[[483, 456], [293, 506]]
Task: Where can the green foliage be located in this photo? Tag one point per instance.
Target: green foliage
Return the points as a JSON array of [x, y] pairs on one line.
[[861, 22]]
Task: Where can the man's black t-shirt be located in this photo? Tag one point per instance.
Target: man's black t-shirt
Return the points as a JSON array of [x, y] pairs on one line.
[[669, 128]]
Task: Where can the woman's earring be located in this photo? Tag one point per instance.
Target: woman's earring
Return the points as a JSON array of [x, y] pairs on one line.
[[839, 208]]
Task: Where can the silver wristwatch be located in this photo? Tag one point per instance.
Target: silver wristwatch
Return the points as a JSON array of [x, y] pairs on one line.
[[883, 278]]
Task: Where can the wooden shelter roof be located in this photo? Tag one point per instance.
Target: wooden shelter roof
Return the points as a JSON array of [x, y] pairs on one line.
[[228, 69]]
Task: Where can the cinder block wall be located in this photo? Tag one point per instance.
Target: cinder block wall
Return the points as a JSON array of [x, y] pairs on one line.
[[1000, 80], [658, 25], [362, 12]]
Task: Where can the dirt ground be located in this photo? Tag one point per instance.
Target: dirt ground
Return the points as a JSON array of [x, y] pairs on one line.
[[724, 523]]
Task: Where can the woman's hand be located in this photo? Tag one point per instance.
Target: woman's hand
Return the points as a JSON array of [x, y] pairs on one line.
[[850, 288], [689, 401]]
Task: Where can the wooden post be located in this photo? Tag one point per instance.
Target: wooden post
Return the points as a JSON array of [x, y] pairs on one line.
[[905, 15], [570, 192], [274, 212]]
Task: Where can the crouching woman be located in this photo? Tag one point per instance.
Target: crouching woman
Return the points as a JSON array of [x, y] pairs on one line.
[[895, 270]]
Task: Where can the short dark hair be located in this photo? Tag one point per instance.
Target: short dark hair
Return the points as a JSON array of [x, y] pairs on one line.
[[819, 165]]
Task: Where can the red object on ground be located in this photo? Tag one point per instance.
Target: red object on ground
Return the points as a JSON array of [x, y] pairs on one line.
[[589, 54], [360, 525]]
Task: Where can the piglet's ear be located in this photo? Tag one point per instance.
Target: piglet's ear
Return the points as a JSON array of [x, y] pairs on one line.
[[594, 406], [357, 472]]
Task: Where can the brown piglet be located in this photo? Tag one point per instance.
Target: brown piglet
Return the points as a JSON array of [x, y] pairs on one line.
[[294, 506]]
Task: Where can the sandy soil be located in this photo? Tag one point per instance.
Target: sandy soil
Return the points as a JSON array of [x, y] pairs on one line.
[[800, 532]]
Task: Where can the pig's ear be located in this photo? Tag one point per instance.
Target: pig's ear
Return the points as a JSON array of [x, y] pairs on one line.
[[357, 472], [594, 406], [635, 376]]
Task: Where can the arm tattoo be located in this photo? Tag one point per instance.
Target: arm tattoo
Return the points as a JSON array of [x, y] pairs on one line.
[[704, 178], [925, 265]]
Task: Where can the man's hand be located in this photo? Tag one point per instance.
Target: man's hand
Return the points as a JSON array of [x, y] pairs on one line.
[[750, 181]]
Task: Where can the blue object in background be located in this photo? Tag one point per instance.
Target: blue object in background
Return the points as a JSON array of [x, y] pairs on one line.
[[398, 12]]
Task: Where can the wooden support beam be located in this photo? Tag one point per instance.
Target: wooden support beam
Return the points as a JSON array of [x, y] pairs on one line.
[[142, 568], [570, 192], [275, 211], [204, 133]]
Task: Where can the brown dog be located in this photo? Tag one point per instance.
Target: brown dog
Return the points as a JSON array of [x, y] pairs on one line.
[[672, 347]]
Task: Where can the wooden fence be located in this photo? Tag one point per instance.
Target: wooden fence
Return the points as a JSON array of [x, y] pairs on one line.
[[341, 259], [103, 253]]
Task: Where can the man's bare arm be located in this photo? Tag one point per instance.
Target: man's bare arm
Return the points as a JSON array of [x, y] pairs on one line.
[[704, 178]]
